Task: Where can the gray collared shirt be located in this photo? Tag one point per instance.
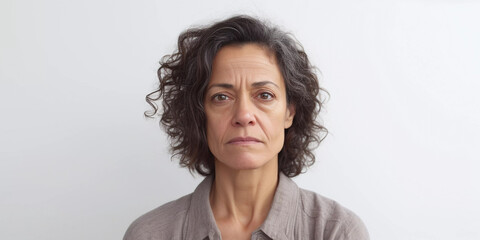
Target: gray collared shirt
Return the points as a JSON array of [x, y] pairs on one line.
[[295, 214]]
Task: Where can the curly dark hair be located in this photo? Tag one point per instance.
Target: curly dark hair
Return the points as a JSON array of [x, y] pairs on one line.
[[184, 75]]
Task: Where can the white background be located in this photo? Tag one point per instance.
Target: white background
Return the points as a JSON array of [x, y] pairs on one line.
[[79, 161]]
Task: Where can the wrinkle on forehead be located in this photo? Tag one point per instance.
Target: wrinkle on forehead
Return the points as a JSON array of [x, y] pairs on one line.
[[250, 59], [249, 64], [249, 68], [246, 61], [246, 53]]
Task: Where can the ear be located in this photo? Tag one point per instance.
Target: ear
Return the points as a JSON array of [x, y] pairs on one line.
[[289, 115]]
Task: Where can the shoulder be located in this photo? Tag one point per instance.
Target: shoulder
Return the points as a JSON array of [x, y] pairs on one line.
[[164, 222], [332, 219]]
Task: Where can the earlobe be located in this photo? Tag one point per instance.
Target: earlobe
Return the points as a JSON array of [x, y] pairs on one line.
[[289, 115]]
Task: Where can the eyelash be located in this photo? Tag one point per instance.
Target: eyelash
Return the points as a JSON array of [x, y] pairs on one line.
[[271, 96], [216, 96]]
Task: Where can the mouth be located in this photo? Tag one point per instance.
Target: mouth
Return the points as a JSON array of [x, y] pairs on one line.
[[244, 140]]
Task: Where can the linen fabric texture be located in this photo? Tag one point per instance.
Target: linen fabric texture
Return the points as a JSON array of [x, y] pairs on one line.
[[295, 214]]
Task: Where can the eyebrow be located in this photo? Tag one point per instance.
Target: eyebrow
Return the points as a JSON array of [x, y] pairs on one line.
[[263, 83], [221, 85], [255, 84]]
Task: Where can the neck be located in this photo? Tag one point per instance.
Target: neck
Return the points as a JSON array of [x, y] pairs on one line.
[[243, 197]]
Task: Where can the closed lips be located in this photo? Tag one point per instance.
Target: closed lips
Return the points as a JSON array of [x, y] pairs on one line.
[[243, 139]]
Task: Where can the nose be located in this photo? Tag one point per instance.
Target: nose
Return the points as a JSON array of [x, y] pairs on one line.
[[243, 115]]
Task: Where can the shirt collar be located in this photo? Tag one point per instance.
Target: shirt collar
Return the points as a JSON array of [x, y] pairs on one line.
[[279, 223], [200, 222], [280, 219]]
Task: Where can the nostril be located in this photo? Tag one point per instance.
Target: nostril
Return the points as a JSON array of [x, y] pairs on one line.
[[246, 121]]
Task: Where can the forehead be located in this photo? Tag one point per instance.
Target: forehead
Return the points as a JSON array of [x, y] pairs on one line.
[[249, 52], [248, 60]]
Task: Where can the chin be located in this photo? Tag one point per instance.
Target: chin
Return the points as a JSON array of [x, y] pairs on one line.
[[246, 166], [246, 162]]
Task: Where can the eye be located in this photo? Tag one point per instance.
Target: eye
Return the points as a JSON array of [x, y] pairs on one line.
[[220, 97], [266, 96]]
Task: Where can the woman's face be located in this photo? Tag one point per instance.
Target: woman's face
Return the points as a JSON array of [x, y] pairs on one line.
[[246, 107]]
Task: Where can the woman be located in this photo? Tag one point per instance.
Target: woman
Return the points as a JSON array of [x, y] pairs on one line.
[[240, 100]]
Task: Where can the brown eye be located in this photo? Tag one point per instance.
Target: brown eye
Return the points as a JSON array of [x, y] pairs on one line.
[[220, 97], [265, 96]]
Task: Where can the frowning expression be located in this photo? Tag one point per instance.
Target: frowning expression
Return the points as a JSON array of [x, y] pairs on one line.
[[246, 107]]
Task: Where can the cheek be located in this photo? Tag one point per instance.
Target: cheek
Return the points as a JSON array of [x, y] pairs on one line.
[[211, 138], [275, 126], [215, 128]]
